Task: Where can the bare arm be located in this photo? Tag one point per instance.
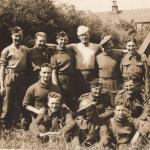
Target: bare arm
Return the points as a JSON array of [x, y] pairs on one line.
[[35, 110], [54, 77], [2, 75]]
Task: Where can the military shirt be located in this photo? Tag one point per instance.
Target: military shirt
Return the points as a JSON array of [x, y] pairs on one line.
[[15, 59], [134, 101], [85, 55], [63, 61], [62, 120], [103, 104], [134, 66]]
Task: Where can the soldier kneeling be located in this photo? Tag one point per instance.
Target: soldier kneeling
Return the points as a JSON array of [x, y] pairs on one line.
[[57, 119]]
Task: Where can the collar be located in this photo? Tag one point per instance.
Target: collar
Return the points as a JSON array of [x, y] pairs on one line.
[[59, 49], [44, 84]]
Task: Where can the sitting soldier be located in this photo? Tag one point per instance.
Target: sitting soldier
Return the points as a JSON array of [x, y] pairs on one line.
[[102, 99], [90, 130], [56, 119], [131, 97]]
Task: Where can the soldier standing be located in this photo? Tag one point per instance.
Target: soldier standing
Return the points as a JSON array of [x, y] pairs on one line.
[[62, 62], [108, 64], [85, 60], [39, 54], [13, 76], [134, 66]]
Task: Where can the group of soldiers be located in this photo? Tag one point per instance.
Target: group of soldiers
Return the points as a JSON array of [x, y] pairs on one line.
[[89, 93]]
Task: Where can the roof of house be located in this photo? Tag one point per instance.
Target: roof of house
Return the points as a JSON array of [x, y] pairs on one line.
[[138, 15]]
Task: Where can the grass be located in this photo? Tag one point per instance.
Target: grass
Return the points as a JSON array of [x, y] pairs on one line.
[[10, 139]]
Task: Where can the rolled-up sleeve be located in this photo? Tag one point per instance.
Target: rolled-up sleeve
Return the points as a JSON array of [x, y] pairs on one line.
[[4, 58]]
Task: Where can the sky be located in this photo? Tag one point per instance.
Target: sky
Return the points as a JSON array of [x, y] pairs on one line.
[[105, 5]]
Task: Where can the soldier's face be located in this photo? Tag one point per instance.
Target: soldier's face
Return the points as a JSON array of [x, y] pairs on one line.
[[131, 47], [40, 42], [54, 104], [95, 91], [129, 86], [45, 74], [62, 41], [17, 38], [121, 113], [108, 46], [84, 38]]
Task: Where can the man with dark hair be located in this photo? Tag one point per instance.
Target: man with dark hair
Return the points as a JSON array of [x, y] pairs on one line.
[[62, 62], [134, 66], [35, 99], [13, 77], [39, 54]]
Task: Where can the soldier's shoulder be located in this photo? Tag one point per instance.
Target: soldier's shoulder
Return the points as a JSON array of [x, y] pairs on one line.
[[83, 96], [6, 49], [121, 92]]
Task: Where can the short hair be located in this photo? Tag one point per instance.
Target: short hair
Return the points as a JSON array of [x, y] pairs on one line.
[[42, 34], [16, 29], [54, 95], [132, 39], [46, 65], [61, 34]]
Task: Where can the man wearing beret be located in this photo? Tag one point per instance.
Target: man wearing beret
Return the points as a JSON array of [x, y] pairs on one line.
[[85, 56], [108, 64], [13, 76]]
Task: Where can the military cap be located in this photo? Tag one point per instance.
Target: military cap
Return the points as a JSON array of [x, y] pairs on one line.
[[16, 29], [82, 29], [85, 103], [105, 39]]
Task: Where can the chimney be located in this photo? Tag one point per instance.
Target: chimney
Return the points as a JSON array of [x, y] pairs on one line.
[[114, 7]]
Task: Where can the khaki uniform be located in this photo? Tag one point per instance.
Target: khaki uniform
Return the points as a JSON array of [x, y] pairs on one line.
[[135, 67], [90, 131], [60, 121], [15, 62], [103, 105], [134, 101]]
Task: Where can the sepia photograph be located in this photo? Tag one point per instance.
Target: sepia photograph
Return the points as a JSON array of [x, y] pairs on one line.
[[74, 74]]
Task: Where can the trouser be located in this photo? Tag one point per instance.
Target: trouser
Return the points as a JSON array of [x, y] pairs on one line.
[[15, 87], [82, 81], [66, 84], [111, 85]]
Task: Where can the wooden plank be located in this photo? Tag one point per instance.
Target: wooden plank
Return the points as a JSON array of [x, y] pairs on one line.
[[143, 48]]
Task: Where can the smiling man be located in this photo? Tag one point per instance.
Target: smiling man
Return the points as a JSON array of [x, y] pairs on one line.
[[13, 77], [131, 97], [85, 59], [134, 66], [62, 62], [39, 54], [35, 100]]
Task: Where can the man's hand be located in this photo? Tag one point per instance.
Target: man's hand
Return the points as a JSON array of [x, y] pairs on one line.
[[41, 111], [2, 91]]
